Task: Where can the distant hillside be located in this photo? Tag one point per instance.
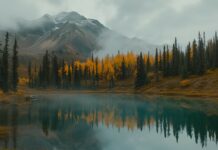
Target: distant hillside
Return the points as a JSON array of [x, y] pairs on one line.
[[71, 33]]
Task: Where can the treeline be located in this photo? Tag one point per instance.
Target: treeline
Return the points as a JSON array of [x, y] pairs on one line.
[[196, 59], [8, 65]]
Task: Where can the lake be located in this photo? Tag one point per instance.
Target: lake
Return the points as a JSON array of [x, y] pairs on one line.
[[108, 122]]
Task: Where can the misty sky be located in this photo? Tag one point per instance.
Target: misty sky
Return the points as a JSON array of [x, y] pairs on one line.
[[156, 21]]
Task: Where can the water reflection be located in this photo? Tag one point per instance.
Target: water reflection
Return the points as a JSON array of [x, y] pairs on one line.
[[8, 126], [72, 122]]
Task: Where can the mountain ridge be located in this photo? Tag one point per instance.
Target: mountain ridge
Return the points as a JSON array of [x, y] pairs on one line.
[[71, 33]]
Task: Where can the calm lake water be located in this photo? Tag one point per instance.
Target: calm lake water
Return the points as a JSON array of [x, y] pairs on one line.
[[108, 122]]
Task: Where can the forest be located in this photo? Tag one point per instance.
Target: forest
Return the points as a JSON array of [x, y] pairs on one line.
[[144, 68], [198, 57], [9, 65]]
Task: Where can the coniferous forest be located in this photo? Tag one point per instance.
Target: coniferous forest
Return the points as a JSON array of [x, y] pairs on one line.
[[199, 56], [9, 64]]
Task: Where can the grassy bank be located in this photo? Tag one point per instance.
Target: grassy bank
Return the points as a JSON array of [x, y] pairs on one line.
[[195, 86]]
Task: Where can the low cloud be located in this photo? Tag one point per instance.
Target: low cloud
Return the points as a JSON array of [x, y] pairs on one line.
[[155, 21]]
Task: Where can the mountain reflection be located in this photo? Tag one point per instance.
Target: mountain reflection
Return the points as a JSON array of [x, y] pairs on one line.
[[74, 119]]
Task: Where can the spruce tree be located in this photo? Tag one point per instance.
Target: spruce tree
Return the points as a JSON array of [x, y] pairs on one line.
[[15, 66], [164, 62], [216, 50], [77, 77], [175, 59], [201, 56], [188, 58], [194, 58], [141, 74], [183, 66], [168, 70], [64, 74], [156, 71], [46, 69], [1, 69], [55, 72], [160, 61], [148, 63], [5, 70]]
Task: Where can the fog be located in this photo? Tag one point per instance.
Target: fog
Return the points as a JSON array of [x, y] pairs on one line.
[[154, 21]]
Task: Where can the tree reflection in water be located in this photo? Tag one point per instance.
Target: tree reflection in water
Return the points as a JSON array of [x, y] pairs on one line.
[[74, 118], [168, 119]]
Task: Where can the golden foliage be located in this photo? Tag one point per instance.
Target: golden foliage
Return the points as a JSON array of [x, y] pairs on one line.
[[185, 83]]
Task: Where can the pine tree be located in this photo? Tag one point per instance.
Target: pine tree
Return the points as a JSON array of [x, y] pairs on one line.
[[64, 75], [216, 50], [1, 68], [183, 66], [156, 67], [77, 76], [164, 62], [46, 69], [55, 74], [160, 62], [201, 56], [168, 72], [86, 74], [141, 75], [148, 63], [188, 58], [194, 58], [15, 67], [175, 59], [5, 66]]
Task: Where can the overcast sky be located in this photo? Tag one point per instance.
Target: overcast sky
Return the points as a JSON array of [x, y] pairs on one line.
[[156, 21]]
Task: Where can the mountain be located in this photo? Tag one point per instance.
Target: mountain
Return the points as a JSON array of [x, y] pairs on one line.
[[71, 33]]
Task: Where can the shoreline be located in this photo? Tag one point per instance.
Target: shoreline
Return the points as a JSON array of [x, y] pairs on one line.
[[175, 93], [168, 93]]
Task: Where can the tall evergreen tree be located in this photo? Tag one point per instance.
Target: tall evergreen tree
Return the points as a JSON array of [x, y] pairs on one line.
[[77, 76], [175, 59], [183, 65], [168, 62], [164, 62], [55, 72], [156, 71], [160, 62], [201, 56], [148, 63], [141, 74], [188, 58], [1, 67], [194, 58], [15, 66], [46, 69], [5, 66], [123, 69], [64, 75]]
